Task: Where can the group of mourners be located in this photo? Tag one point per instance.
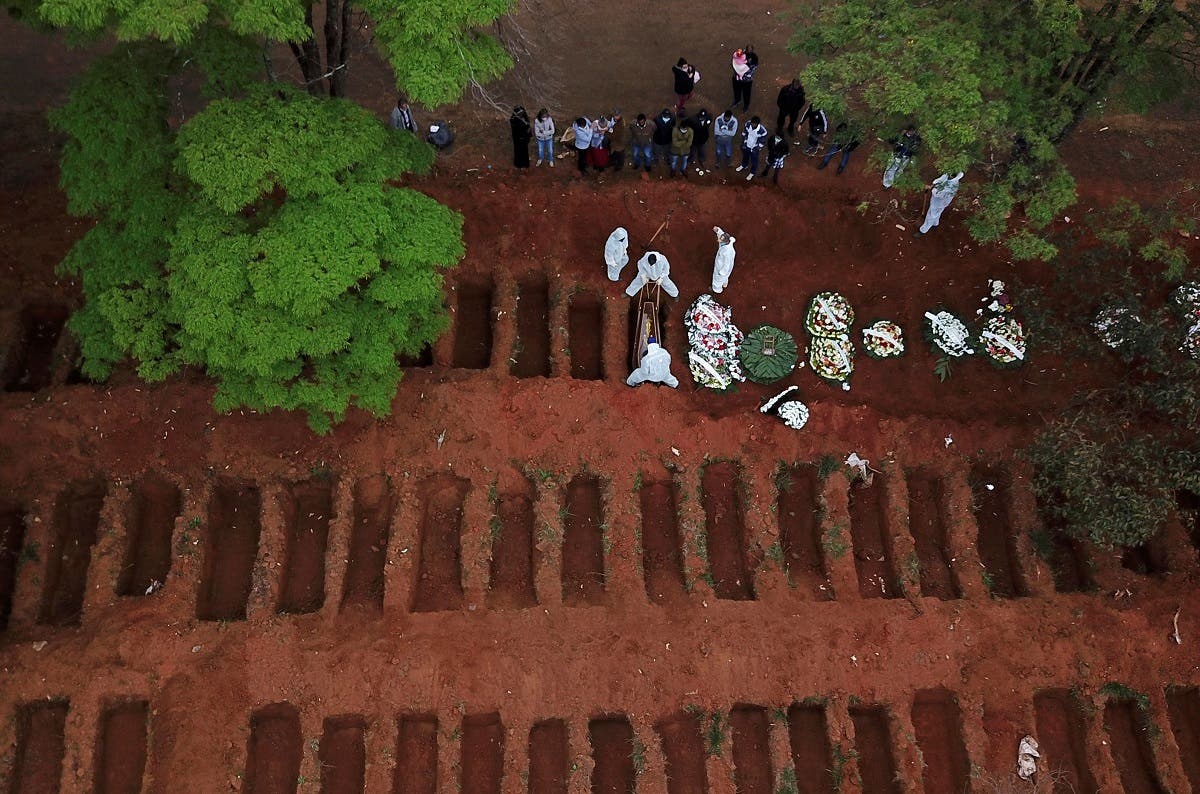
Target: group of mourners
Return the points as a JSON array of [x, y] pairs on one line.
[[680, 140]]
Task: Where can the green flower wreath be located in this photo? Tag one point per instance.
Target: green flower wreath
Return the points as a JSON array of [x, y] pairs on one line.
[[768, 354]]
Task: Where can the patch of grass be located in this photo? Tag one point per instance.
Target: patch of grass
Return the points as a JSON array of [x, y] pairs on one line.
[[1043, 544], [321, 471], [714, 737], [833, 543], [989, 581], [779, 714], [195, 522], [787, 782], [837, 771], [943, 369], [638, 756], [783, 478], [493, 496], [827, 465], [549, 535], [637, 481], [912, 567], [31, 553], [1117, 691], [815, 700], [494, 526]]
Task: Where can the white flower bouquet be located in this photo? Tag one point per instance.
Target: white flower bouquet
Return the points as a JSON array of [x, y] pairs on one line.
[[829, 314], [793, 413], [713, 340], [1113, 324], [1003, 339], [832, 358], [883, 339], [948, 334]]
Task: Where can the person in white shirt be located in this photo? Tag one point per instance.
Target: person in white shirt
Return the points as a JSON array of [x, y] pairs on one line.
[[654, 368], [754, 137], [653, 268], [723, 263], [944, 188], [616, 253]]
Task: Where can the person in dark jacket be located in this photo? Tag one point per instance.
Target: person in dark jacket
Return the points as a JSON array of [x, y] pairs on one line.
[[777, 152], [402, 116], [790, 101], [701, 124], [818, 125], [754, 136], [522, 131], [686, 77], [641, 138], [664, 125], [904, 147], [845, 140], [618, 141]]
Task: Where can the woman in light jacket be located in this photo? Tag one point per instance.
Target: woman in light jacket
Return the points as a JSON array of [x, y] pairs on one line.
[[543, 131]]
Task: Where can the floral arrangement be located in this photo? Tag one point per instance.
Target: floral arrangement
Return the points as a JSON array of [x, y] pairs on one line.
[[793, 412], [1003, 339], [997, 300], [1186, 298], [883, 339], [768, 354], [1113, 324], [832, 358], [829, 314], [713, 340], [948, 334]]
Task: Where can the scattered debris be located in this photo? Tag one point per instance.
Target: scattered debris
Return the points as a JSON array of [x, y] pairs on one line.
[[1027, 756], [37, 646], [1175, 622]]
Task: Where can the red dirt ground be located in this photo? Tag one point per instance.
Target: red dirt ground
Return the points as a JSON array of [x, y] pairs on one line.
[[436, 661]]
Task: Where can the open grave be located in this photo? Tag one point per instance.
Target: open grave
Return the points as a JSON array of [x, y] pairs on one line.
[[583, 543], [230, 548], [439, 577], [307, 511], [69, 553], [725, 529]]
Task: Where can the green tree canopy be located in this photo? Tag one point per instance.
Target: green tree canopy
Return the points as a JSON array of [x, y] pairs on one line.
[[289, 269], [435, 47], [995, 87]]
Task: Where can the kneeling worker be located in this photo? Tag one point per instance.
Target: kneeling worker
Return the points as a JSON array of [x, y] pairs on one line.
[[655, 367]]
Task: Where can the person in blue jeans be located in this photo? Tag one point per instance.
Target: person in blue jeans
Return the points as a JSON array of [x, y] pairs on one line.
[[845, 140], [754, 137], [543, 131], [640, 134], [725, 130]]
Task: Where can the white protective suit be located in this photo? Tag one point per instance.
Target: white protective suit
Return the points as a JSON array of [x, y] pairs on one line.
[[616, 253], [723, 264], [655, 368], [653, 267], [945, 187]]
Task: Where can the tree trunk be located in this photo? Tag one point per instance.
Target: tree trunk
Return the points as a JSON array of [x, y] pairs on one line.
[[308, 55], [334, 32]]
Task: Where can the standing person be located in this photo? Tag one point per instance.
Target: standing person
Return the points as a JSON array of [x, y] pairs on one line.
[[818, 125], [726, 128], [682, 138], [664, 125], [641, 138], [753, 138], [616, 252], [702, 127], [791, 101], [723, 262], [944, 188], [845, 140], [904, 148], [582, 128], [618, 139], [402, 117], [653, 268], [598, 153], [777, 152], [745, 63], [521, 133], [543, 131], [686, 78]]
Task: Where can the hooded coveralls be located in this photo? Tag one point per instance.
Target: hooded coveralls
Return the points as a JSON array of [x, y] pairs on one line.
[[658, 270], [616, 253], [723, 263], [655, 368], [945, 187]]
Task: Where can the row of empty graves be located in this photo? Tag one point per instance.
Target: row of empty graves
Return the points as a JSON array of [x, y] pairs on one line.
[[327, 543], [502, 323], [1086, 745]]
